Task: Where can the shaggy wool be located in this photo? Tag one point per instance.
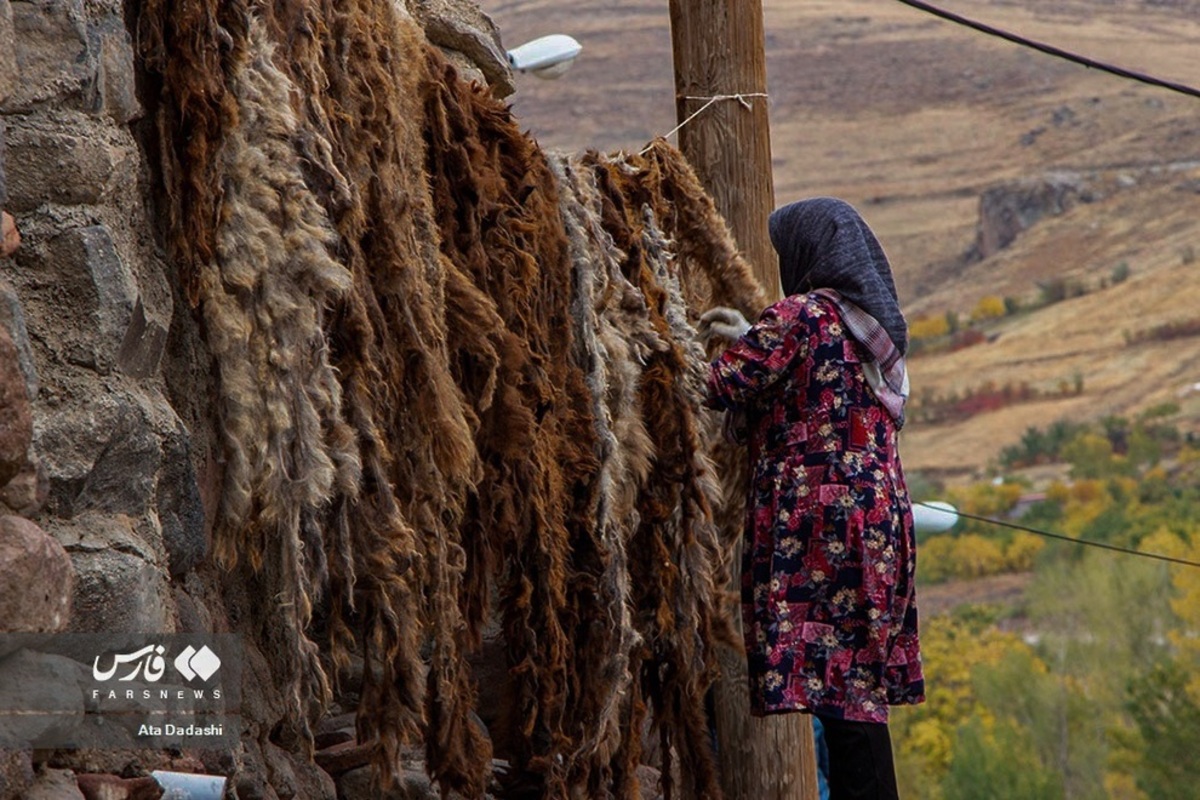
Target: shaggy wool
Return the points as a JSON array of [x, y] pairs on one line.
[[458, 379], [264, 305], [380, 514], [499, 212], [189, 49], [624, 452], [390, 348], [712, 272]]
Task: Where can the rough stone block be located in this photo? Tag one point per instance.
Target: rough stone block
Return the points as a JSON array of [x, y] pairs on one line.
[[180, 509], [8, 58], [466, 28], [36, 579], [81, 270], [26, 494], [53, 163], [12, 319], [53, 58], [119, 592], [16, 419], [103, 456], [117, 93], [142, 346], [16, 770], [38, 681], [411, 784], [296, 776], [343, 757]]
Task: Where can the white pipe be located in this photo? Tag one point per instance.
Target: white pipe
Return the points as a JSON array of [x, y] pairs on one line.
[[186, 786]]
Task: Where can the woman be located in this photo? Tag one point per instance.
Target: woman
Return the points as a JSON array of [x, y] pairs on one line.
[[819, 385]]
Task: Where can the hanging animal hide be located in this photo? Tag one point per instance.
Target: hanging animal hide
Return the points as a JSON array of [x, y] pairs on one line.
[[189, 48], [390, 344], [603, 678], [535, 507], [457, 378], [264, 301]]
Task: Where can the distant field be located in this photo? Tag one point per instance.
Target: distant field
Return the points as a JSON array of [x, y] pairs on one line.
[[912, 118]]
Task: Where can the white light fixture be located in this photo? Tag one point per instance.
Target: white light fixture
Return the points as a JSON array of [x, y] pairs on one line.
[[934, 517], [547, 57]]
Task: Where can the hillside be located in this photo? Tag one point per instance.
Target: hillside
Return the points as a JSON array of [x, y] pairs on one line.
[[914, 120]]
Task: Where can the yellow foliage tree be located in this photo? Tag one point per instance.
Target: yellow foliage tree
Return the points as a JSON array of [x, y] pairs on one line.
[[1186, 602], [976, 556], [1021, 551], [990, 307], [924, 735], [988, 499], [923, 328]]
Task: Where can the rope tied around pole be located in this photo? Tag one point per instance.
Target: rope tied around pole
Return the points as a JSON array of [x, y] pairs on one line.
[[710, 100]]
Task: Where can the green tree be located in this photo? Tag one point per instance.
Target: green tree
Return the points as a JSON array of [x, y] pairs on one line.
[[1168, 720], [997, 763]]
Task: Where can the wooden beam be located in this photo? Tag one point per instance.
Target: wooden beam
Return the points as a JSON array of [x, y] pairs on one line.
[[719, 52]]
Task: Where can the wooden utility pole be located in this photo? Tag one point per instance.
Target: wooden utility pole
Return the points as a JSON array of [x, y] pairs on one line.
[[719, 53]]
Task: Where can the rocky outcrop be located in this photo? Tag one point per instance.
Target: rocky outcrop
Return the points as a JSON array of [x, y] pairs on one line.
[[1005, 211]]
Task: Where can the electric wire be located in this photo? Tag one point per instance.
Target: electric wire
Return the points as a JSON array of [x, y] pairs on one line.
[[1050, 49], [1102, 66], [1064, 538]]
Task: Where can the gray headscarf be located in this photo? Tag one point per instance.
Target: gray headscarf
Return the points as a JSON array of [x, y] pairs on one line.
[[823, 243]]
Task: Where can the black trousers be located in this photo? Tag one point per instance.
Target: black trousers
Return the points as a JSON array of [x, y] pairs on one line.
[[860, 760]]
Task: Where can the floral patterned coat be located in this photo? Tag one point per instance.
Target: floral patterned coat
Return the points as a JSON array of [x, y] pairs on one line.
[[828, 561]]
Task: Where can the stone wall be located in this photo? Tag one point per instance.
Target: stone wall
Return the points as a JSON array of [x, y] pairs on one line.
[[85, 307], [108, 462]]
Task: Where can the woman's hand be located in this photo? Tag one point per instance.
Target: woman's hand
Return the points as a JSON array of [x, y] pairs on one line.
[[722, 321]]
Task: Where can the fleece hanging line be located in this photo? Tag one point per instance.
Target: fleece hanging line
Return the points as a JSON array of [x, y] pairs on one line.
[[743, 98]]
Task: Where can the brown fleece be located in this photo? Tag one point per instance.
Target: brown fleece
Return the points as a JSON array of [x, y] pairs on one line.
[[453, 373], [534, 514], [673, 550], [189, 49]]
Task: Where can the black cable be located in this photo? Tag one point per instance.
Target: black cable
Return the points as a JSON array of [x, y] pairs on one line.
[[1088, 542], [1052, 50]]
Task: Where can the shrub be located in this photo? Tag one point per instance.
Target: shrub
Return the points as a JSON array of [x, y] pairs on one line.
[[1052, 291], [990, 307], [1022, 551], [924, 328]]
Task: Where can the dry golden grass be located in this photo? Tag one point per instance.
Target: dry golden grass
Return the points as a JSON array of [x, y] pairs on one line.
[[911, 119]]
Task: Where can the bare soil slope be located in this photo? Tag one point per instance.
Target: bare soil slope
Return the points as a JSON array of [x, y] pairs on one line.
[[913, 119]]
